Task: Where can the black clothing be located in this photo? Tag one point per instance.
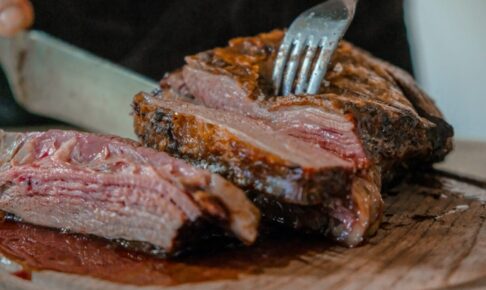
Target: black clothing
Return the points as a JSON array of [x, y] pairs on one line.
[[152, 37]]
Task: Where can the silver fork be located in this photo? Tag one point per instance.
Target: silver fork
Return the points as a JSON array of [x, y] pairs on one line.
[[318, 29]]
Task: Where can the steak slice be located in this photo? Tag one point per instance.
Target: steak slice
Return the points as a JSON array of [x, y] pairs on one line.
[[292, 181], [368, 125], [116, 189]]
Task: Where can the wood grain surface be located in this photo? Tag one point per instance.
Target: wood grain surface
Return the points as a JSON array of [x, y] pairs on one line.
[[433, 237], [468, 158]]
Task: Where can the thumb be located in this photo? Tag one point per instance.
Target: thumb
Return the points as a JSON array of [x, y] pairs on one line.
[[15, 15]]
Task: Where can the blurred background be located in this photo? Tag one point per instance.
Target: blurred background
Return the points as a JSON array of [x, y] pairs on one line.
[[442, 42], [448, 44]]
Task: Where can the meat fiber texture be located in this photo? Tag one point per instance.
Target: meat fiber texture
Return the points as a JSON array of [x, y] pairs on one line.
[[116, 189], [312, 162]]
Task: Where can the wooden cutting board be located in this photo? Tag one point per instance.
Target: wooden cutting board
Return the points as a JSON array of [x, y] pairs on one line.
[[433, 237]]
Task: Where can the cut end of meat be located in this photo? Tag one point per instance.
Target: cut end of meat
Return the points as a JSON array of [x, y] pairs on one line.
[[365, 211], [114, 188], [243, 215]]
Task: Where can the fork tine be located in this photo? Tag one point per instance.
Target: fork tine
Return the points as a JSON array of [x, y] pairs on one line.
[[278, 70], [303, 78], [319, 69], [292, 64]]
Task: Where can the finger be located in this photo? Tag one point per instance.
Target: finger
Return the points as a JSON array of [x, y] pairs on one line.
[[28, 10], [5, 3], [15, 15]]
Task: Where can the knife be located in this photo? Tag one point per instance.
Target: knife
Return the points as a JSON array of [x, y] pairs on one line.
[[52, 78]]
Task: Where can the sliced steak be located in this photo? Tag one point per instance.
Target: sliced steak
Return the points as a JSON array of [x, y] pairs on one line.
[[313, 162], [274, 168], [116, 189]]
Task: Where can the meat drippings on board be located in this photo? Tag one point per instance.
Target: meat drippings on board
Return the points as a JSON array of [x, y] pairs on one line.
[[423, 202], [42, 249]]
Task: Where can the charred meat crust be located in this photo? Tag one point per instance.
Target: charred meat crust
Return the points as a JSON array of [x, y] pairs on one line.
[[209, 146], [439, 134]]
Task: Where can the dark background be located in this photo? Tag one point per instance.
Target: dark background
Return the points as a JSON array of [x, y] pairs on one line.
[[152, 37]]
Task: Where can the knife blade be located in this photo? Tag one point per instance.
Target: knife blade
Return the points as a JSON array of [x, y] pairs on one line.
[[52, 78]]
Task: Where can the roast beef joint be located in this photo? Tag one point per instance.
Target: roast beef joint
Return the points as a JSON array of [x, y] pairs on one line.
[[315, 163]]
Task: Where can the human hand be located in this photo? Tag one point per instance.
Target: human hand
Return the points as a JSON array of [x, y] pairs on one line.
[[15, 15]]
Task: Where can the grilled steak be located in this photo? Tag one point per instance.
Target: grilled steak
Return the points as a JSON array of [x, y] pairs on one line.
[[313, 162], [116, 189]]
